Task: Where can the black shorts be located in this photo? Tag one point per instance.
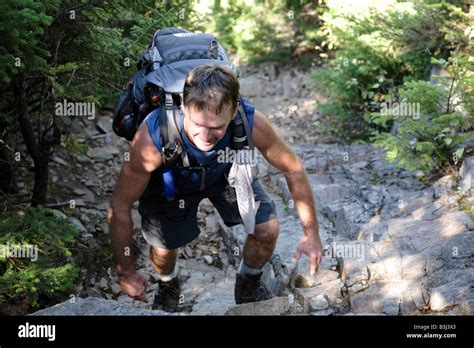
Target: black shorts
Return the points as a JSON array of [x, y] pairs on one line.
[[172, 224]]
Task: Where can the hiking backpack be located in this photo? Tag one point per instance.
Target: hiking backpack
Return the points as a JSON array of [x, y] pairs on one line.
[[162, 70]]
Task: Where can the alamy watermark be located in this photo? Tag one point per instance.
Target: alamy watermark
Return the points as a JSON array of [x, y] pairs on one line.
[[401, 109], [244, 156], [84, 109], [346, 250], [19, 251]]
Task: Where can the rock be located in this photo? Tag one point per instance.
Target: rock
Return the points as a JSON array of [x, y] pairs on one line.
[[125, 299], [188, 251], [463, 308], [274, 306], [318, 303], [456, 252], [373, 230], [430, 211], [83, 159], [104, 284], [198, 278], [450, 294], [320, 179], [383, 297], [322, 276], [327, 194], [78, 288], [116, 289], [405, 201], [60, 161], [102, 154], [251, 86], [287, 243], [104, 125], [346, 218], [375, 195], [354, 271], [79, 202], [59, 214], [356, 287], [331, 291], [415, 298], [384, 261], [211, 223], [75, 222], [443, 186], [283, 187], [93, 292], [216, 299], [208, 259], [79, 192], [391, 306], [136, 218], [94, 306], [414, 266], [324, 313], [442, 277], [467, 175], [415, 231]]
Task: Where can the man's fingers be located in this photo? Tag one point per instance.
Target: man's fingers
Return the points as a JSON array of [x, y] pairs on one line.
[[140, 295], [297, 255], [313, 265]]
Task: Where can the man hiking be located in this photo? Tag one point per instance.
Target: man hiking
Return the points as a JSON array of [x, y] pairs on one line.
[[210, 102]]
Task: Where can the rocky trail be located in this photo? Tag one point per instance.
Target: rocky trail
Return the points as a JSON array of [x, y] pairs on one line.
[[394, 245]]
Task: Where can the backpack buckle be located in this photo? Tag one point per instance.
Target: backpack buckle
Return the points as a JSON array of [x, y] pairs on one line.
[[171, 152]]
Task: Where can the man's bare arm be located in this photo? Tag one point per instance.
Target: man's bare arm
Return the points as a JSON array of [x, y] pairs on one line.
[[278, 154], [133, 179]]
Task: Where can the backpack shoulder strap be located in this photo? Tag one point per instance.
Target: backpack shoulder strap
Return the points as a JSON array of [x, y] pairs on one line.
[[241, 133], [173, 144]]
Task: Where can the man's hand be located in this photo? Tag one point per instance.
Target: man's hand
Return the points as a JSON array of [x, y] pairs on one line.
[[310, 245], [134, 285]]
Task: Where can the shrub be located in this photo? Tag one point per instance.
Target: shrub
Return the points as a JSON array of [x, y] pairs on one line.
[[436, 137], [379, 48], [52, 275]]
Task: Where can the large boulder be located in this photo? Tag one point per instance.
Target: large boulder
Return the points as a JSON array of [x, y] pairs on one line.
[[96, 306], [467, 175]]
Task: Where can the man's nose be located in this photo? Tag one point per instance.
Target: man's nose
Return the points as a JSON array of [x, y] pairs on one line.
[[205, 134]]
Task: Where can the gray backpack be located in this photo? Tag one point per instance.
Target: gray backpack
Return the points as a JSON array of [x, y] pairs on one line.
[[162, 70]]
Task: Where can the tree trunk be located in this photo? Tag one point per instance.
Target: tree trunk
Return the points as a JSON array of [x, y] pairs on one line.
[[7, 173], [41, 181], [39, 151]]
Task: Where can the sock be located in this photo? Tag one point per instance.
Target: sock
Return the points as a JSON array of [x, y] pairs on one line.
[[169, 276], [245, 269]]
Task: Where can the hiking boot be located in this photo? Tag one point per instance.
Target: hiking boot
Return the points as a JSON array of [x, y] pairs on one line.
[[167, 295], [250, 288]]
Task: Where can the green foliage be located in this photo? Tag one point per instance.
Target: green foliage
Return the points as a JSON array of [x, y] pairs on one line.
[[73, 147], [383, 56], [434, 138], [264, 30], [378, 49], [52, 275]]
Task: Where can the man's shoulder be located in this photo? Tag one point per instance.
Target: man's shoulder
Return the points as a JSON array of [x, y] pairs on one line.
[[143, 148]]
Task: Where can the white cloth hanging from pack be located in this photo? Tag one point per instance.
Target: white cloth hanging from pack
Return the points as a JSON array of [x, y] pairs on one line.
[[240, 178]]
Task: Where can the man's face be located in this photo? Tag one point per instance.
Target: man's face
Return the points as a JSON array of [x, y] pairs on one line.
[[205, 128]]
